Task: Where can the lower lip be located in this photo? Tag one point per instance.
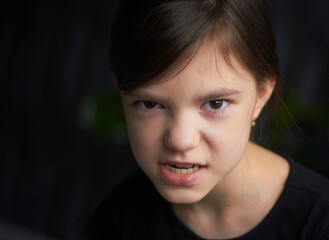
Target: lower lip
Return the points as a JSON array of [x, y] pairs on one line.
[[180, 178]]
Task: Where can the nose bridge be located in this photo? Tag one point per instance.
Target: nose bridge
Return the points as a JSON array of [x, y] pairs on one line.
[[182, 132]]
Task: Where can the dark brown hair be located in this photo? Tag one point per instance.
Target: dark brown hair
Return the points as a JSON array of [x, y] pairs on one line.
[[153, 37]]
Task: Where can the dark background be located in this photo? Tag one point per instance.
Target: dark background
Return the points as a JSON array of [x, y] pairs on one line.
[[63, 143]]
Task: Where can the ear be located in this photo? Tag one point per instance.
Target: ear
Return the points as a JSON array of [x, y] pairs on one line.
[[264, 93], [115, 79]]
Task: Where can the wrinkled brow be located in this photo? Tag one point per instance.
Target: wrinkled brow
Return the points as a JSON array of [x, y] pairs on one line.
[[217, 94], [212, 95]]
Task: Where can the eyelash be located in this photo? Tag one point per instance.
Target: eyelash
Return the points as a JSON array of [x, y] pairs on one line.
[[141, 105], [221, 109]]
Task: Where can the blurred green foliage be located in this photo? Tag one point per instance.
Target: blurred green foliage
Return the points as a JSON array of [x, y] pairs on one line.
[[296, 126], [102, 114]]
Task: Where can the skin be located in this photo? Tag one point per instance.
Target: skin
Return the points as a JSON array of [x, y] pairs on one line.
[[178, 119]]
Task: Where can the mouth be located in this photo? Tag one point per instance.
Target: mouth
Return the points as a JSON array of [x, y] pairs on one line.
[[181, 168], [182, 174]]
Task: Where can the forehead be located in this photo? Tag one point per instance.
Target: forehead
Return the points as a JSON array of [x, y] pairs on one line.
[[205, 71]]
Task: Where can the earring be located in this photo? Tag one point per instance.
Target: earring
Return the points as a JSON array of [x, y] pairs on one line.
[[253, 123]]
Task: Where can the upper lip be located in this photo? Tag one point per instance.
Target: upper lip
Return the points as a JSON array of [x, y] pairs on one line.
[[182, 163]]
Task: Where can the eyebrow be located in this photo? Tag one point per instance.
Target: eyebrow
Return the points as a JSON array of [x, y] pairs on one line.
[[143, 95], [218, 94], [213, 95]]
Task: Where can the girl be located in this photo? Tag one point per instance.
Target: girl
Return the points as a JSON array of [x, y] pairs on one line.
[[194, 76]]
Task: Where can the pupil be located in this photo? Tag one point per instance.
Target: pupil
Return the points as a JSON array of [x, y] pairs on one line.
[[217, 104], [149, 104]]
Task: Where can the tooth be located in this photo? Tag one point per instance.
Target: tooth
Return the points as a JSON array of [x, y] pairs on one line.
[[195, 168], [183, 170], [182, 165]]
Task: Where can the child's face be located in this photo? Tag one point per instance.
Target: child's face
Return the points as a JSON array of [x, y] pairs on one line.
[[202, 117]]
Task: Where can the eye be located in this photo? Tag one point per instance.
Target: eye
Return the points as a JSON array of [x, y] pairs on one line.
[[148, 105], [215, 105]]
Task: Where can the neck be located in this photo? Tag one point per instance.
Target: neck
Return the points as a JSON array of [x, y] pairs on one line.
[[229, 205]]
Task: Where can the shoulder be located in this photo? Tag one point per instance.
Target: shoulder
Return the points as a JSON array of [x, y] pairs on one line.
[[132, 188], [132, 201], [306, 180], [306, 200], [136, 189]]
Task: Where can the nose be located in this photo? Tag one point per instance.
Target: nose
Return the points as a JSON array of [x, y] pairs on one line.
[[182, 135]]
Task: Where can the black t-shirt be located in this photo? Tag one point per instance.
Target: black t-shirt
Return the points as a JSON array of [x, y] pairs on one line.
[[135, 210]]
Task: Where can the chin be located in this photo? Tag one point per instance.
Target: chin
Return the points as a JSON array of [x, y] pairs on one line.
[[180, 195]]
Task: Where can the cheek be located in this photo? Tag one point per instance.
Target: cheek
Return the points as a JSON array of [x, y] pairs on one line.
[[145, 139], [232, 131], [228, 144]]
